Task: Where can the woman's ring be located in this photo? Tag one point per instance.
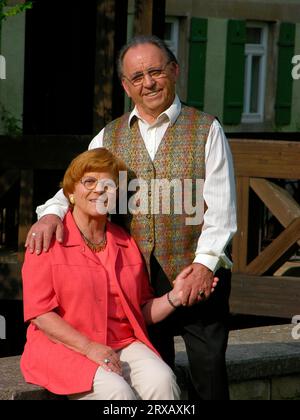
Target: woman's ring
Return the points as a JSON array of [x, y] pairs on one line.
[[106, 361]]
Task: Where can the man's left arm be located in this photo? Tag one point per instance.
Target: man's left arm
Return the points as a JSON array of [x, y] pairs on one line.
[[219, 223]]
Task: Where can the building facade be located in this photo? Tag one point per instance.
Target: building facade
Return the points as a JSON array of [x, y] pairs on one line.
[[240, 60]]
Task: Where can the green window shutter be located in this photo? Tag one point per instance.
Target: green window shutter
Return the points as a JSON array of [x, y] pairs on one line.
[[197, 62], [286, 49], [235, 72]]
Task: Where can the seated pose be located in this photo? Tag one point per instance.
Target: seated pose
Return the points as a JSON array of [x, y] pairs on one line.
[[88, 301]]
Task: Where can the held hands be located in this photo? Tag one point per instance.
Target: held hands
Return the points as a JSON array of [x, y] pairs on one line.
[[40, 234], [104, 356], [194, 280]]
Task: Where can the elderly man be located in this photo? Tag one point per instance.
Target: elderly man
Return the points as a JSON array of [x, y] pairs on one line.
[[164, 139]]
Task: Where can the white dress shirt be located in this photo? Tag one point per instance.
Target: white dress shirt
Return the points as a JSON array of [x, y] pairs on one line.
[[218, 192]]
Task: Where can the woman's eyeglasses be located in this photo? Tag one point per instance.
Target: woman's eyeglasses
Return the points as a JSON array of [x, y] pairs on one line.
[[106, 185]]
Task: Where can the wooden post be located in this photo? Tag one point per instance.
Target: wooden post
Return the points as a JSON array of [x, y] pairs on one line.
[[279, 247], [143, 17], [111, 35], [150, 17], [240, 240], [121, 14]]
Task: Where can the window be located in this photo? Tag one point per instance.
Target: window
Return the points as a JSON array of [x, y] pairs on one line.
[[255, 73], [172, 34]]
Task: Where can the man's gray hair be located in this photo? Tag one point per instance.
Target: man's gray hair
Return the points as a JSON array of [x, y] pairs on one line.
[[144, 39]]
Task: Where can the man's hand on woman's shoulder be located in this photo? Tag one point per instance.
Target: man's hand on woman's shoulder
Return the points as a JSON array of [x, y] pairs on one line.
[[40, 234]]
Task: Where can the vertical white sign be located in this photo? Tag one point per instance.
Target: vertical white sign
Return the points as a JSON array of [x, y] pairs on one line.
[[2, 67], [2, 328]]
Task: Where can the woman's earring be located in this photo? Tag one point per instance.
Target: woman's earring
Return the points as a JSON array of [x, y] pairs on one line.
[[72, 199]]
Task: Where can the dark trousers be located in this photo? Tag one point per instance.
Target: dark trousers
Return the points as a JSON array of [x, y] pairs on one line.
[[204, 329]]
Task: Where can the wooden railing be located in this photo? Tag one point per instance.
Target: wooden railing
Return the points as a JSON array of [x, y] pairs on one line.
[[259, 164]]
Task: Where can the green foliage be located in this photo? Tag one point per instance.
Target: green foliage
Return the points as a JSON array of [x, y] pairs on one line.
[[14, 10], [11, 124]]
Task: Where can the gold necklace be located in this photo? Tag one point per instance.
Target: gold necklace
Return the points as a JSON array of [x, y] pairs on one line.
[[95, 247]]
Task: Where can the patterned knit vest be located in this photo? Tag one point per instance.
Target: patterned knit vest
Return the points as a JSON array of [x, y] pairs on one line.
[[180, 159]]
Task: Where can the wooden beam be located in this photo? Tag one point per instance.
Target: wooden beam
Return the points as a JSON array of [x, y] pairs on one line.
[[240, 240], [104, 64], [265, 296], [266, 158], [110, 37], [281, 204], [268, 257], [121, 17], [150, 17], [143, 17], [277, 199]]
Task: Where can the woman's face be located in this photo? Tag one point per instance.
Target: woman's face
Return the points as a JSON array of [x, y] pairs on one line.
[[94, 194]]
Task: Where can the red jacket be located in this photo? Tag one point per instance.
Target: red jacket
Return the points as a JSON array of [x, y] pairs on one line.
[[71, 280]]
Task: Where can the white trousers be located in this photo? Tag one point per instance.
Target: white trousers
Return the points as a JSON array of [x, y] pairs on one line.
[[145, 377]]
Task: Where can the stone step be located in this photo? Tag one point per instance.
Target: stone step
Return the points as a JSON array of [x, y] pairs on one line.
[[263, 364]]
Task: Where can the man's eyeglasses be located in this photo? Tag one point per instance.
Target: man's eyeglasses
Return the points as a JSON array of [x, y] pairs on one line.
[[155, 74], [106, 185]]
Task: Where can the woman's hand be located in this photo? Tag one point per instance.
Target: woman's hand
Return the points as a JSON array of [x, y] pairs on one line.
[[215, 283], [104, 356], [177, 293]]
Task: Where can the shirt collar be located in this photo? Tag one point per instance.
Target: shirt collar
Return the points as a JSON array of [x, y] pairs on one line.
[[171, 113]]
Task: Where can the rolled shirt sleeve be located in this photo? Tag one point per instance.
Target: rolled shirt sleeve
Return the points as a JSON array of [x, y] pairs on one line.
[[220, 197], [57, 205]]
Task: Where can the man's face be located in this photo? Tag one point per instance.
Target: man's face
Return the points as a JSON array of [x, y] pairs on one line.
[[154, 95]]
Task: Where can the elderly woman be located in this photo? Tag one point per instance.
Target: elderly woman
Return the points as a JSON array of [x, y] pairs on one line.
[[88, 301]]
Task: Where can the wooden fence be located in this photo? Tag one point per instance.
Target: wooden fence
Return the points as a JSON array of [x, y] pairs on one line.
[[259, 164]]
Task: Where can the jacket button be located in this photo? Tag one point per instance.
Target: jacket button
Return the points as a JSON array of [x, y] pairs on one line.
[[150, 240]]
